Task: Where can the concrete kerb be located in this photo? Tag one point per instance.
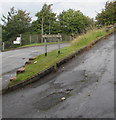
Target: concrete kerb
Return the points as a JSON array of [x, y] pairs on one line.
[[32, 79], [51, 69], [66, 59]]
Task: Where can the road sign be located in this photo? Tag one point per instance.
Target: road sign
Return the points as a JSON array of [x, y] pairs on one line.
[[51, 36]]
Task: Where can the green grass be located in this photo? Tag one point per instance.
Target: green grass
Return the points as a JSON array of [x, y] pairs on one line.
[[44, 62]]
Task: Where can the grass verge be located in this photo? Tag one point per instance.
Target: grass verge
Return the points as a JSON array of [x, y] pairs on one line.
[[44, 62]]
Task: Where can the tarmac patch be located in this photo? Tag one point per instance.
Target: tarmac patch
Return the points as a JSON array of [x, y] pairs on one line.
[[56, 98]]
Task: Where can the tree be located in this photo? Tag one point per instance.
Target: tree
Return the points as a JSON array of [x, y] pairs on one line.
[[73, 22], [107, 15], [15, 23], [46, 18]]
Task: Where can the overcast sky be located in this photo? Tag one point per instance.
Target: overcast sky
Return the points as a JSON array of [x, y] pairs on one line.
[[87, 7]]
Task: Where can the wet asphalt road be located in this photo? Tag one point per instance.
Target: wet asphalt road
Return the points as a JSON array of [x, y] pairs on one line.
[[14, 59], [82, 88]]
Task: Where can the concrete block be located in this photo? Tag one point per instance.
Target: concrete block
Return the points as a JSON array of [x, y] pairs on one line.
[[32, 58], [21, 70], [28, 62], [13, 78]]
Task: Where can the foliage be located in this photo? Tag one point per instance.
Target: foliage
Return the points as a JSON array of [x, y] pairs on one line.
[[68, 22], [46, 17], [15, 23], [108, 15], [73, 22]]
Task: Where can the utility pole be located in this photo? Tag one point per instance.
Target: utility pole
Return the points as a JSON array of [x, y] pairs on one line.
[[59, 38], [45, 46], [49, 19], [49, 27], [42, 29]]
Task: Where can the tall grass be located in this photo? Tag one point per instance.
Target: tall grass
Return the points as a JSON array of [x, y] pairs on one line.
[[88, 37]]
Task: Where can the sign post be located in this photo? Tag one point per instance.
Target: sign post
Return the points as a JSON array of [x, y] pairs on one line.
[[45, 46], [51, 36], [58, 45]]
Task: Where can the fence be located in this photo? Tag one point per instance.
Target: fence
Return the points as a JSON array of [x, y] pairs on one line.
[[27, 39]]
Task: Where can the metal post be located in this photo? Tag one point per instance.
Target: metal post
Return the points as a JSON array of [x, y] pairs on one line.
[[3, 46], [59, 45], [30, 38], [45, 46]]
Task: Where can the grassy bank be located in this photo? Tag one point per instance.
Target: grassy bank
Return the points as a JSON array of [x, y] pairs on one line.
[[44, 62]]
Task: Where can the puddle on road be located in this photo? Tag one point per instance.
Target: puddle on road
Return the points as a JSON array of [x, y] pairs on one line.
[[51, 100]]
